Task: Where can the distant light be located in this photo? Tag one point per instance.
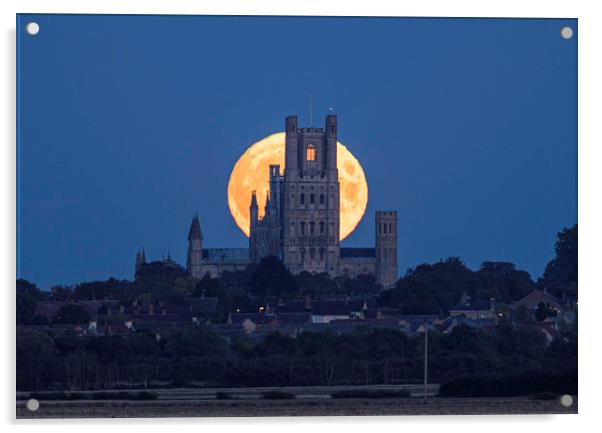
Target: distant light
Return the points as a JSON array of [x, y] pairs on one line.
[[237, 310], [566, 32], [32, 28]]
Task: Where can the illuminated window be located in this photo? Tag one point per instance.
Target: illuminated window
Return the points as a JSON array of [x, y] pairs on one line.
[[311, 152]]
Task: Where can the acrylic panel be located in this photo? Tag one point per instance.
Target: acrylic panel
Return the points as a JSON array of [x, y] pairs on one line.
[[273, 216]]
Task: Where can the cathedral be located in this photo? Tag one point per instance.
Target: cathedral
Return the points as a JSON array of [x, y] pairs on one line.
[[301, 219]]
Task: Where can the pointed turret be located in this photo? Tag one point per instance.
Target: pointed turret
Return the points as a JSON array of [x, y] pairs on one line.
[[253, 210], [195, 248], [140, 260], [267, 202], [195, 229], [253, 220]]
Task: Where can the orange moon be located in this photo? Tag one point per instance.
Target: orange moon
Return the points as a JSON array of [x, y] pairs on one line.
[[251, 173]]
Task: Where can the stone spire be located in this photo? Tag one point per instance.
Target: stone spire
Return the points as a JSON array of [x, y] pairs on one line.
[[140, 260], [195, 248], [253, 221], [195, 228], [267, 202]]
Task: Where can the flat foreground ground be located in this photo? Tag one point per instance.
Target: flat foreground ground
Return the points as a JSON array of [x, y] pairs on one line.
[[297, 407]]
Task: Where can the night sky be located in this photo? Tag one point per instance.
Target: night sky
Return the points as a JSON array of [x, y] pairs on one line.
[[129, 124]]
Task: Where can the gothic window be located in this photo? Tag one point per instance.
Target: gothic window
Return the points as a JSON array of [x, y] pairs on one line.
[[293, 228], [321, 227], [302, 255], [312, 199], [302, 198], [311, 228], [312, 253], [321, 254], [310, 152], [321, 198], [302, 228]]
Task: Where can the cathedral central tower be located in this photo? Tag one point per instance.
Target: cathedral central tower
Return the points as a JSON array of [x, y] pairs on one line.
[[310, 210], [302, 213]]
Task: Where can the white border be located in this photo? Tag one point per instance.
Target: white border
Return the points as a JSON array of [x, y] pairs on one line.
[[590, 141]]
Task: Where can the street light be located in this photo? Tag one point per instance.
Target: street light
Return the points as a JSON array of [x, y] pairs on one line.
[[426, 345]]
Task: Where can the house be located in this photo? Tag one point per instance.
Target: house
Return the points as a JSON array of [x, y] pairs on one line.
[[368, 325], [416, 327], [533, 299], [48, 309], [299, 306], [293, 318], [256, 318], [372, 313], [335, 327], [484, 309], [430, 318], [357, 308], [328, 311]]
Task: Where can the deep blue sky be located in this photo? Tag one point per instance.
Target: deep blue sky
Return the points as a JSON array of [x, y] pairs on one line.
[[129, 124]]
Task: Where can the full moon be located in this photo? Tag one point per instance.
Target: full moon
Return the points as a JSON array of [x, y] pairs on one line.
[[251, 173]]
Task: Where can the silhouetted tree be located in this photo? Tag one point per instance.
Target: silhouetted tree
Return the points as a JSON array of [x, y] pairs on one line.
[[561, 273], [432, 288], [502, 281], [71, 314], [316, 284], [543, 311], [272, 278], [208, 286], [28, 296]]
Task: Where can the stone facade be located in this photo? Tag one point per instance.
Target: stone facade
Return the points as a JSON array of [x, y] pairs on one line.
[[302, 218]]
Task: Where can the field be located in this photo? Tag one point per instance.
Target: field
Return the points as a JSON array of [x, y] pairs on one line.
[[314, 401]]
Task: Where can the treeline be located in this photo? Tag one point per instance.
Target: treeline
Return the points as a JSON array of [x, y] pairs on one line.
[[199, 357], [427, 288]]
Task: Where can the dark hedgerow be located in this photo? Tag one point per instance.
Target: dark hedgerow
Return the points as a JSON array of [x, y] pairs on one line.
[[377, 393], [546, 395], [121, 395], [523, 384], [220, 395], [277, 395]]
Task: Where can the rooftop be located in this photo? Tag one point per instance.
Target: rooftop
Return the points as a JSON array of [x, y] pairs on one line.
[[228, 255]]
